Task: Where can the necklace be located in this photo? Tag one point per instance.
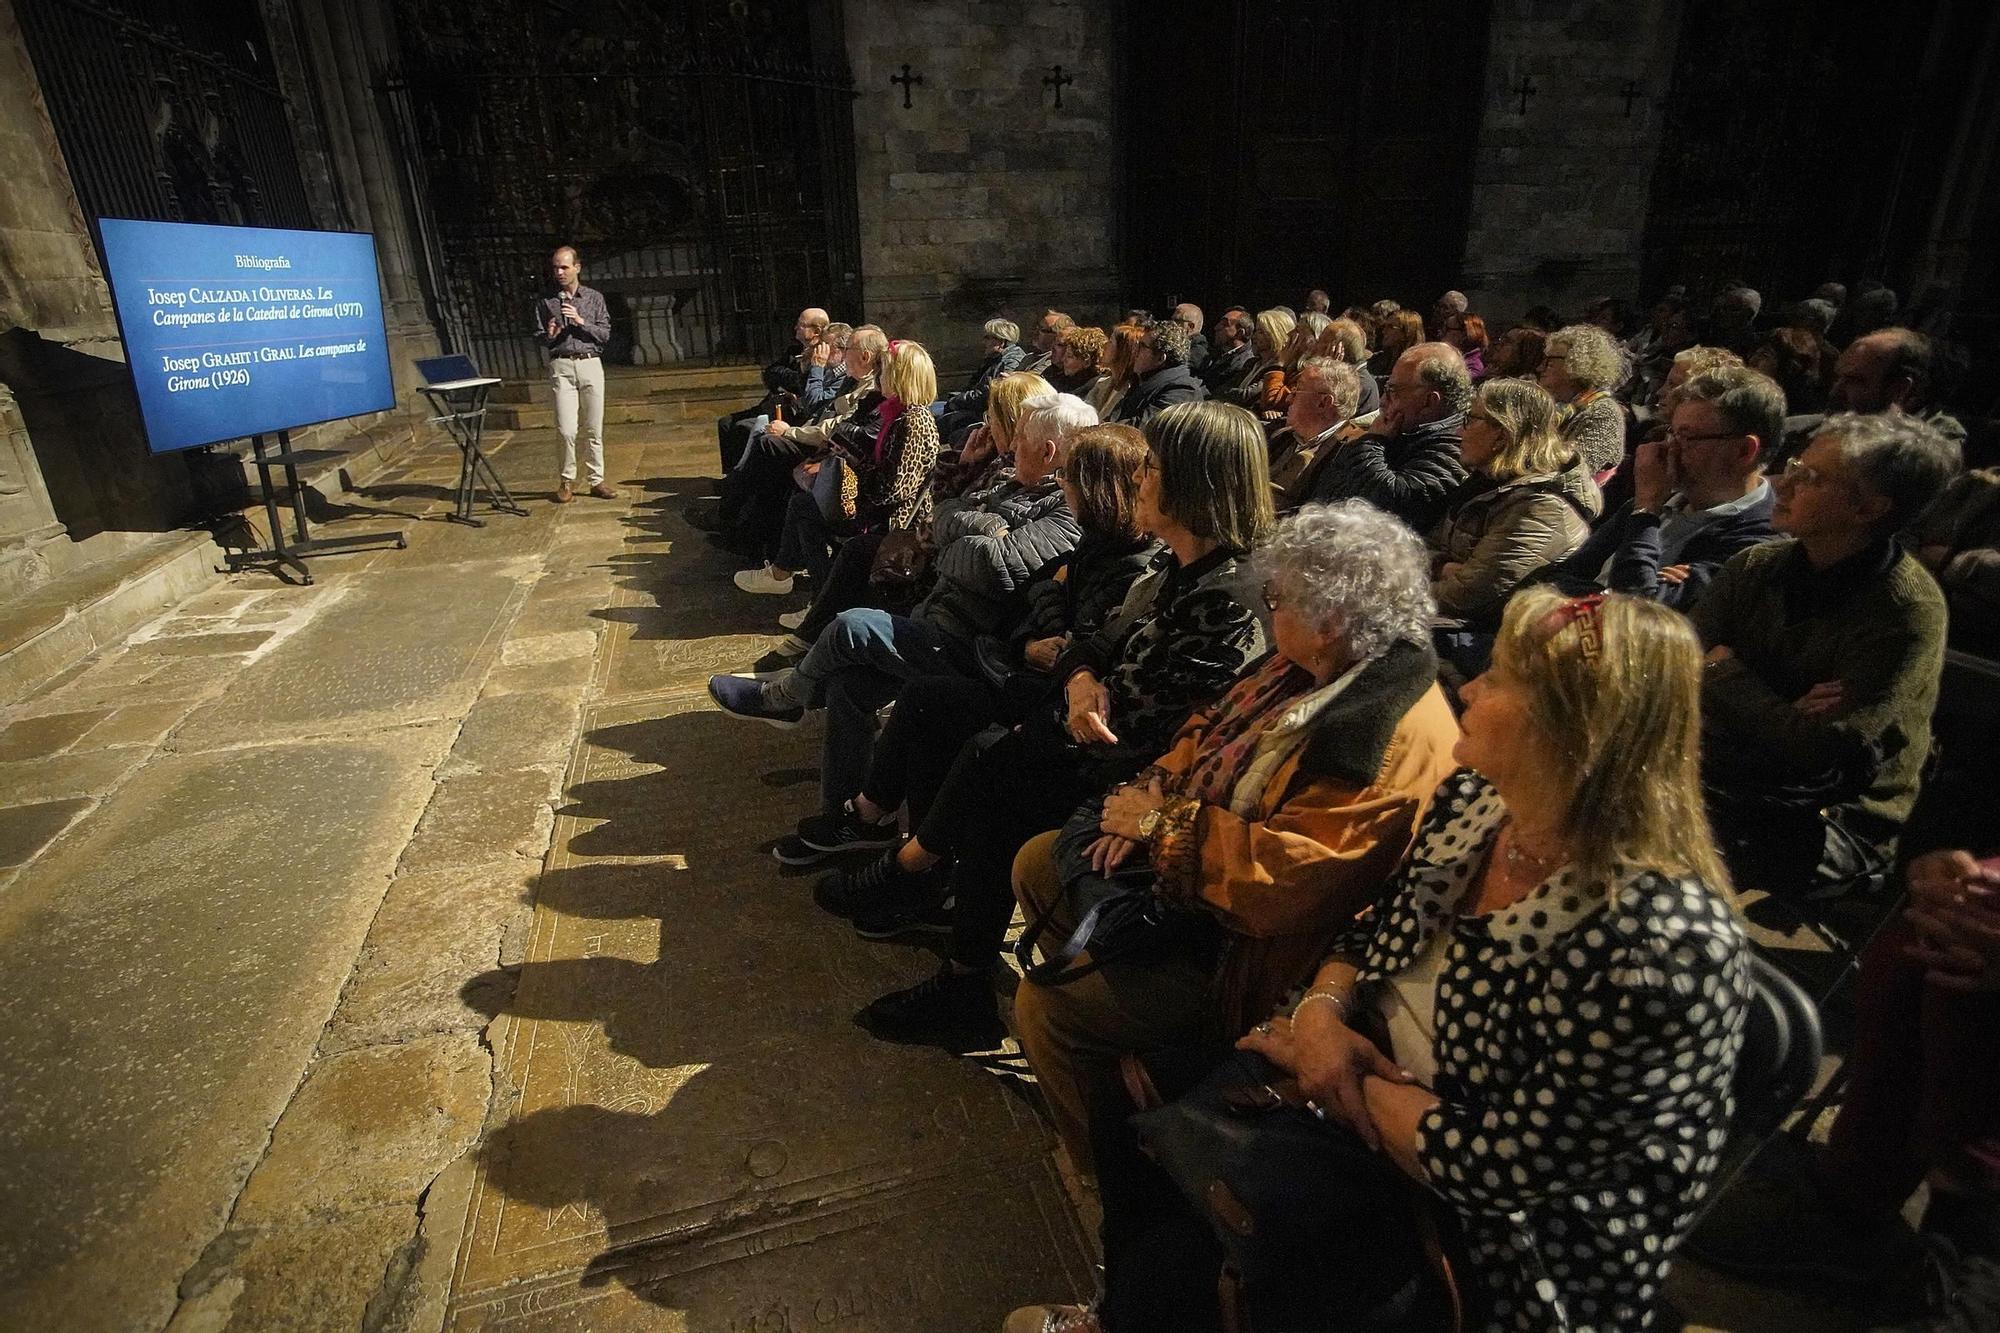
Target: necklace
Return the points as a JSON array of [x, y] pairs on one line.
[[1519, 856]]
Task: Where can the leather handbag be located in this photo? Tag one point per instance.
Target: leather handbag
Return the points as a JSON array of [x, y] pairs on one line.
[[1118, 916], [1319, 1231]]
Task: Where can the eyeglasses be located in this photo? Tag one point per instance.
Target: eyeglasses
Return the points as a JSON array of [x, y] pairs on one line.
[[1682, 438], [1151, 464], [1481, 416], [1798, 473]]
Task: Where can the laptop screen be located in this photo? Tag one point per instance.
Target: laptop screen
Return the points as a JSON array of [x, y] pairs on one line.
[[446, 369]]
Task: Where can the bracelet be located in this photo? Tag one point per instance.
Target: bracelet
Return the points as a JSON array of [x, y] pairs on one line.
[[1331, 996]]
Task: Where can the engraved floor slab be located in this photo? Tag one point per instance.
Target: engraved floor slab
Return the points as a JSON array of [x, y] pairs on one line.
[[702, 1139]]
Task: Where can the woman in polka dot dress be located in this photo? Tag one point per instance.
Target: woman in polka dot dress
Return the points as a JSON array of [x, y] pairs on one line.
[[1539, 1022], [1557, 977]]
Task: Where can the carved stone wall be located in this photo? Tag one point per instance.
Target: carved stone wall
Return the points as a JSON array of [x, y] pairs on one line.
[[982, 197], [1560, 188]]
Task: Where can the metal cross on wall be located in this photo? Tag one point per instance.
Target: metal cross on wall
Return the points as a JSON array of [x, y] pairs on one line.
[[1524, 90], [908, 80], [1057, 80], [1631, 92]]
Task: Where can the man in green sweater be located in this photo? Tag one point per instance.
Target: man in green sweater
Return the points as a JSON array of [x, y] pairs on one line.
[[1824, 652]]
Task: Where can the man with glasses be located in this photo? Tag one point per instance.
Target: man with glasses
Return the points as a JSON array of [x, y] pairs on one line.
[[1699, 496], [1408, 462], [1324, 397], [1823, 659]]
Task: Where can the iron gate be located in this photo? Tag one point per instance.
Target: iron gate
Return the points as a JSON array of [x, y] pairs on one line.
[[699, 156], [167, 112]]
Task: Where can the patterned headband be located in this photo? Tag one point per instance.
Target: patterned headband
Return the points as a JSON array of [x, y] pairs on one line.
[[1587, 614]]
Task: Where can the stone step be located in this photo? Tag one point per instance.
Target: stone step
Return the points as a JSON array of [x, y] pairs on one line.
[[59, 623], [647, 381], [657, 409]]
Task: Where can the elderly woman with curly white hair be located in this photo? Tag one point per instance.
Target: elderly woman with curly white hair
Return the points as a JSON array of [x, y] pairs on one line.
[[1582, 367], [1278, 813]]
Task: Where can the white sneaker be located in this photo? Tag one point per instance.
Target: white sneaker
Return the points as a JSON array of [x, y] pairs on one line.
[[793, 619], [763, 581]]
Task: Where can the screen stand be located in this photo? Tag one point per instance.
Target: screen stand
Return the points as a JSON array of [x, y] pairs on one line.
[[292, 553], [461, 409]]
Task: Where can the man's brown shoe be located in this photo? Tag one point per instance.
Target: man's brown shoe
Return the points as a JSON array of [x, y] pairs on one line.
[[562, 493], [603, 492]]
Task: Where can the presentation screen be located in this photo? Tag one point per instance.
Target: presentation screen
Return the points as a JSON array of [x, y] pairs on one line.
[[237, 331]]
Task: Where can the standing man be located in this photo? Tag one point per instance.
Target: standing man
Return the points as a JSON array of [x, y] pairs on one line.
[[575, 325]]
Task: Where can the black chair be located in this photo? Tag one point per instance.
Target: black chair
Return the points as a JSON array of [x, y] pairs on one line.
[[1782, 1047]]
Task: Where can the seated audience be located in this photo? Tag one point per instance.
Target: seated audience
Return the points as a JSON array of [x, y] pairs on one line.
[[1408, 461], [1732, 320], [1699, 496], [1276, 391], [1231, 357], [1189, 316], [1186, 630], [1529, 1042], [1344, 340], [1581, 366], [887, 482], [1823, 660], [1120, 359], [1160, 363], [1800, 363], [1958, 539], [1069, 599], [1075, 369], [1268, 340], [1467, 332], [1275, 816], [754, 492], [1516, 354], [990, 546], [1445, 309], [988, 450], [1324, 397], [1528, 502], [1396, 332], [1000, 340], [786, 375], [1048, 333]]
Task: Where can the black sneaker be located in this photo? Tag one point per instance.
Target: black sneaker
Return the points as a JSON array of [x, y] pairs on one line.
[[947, 1008], [892, 921], [846, 893], [846, 831], [790, 851]]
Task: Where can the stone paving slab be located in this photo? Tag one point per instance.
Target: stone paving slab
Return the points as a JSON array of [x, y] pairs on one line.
[[174, 962], [699, 1136], [411, 647]]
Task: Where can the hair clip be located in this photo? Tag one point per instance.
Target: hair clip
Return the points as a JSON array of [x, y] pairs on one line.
[[1587, 614]]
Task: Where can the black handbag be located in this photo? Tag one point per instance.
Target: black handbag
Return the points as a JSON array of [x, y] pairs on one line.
[[1118, 916], [1308, 1216]]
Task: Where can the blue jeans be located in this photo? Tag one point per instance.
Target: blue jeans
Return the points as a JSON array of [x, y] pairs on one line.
[[855, 667]]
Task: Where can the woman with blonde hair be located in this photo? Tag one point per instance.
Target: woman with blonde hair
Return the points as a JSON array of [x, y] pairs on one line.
[[986, 451], [1527, 503], [885, 486], [1276, 392], [1581, 366], [1269, 337], [1530, 1040], [1119, 360]]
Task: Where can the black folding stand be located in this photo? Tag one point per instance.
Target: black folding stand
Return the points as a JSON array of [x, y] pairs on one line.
[[461, 409], [303, 544]]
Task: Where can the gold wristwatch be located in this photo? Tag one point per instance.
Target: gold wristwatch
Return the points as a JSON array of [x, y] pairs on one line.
[[1149, 824]]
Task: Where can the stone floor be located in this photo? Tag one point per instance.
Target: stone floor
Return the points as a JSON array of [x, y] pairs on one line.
[[402, 952]]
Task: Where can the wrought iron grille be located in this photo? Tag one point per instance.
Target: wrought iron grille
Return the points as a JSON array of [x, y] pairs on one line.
[[167, 112], [698, 156]]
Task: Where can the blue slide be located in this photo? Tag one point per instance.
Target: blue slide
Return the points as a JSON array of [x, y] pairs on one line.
[[239, 331]]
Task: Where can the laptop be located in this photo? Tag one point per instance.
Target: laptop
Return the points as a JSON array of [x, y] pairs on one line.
[[454, 369]]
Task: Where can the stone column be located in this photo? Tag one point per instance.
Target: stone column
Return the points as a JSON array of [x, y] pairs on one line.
[[352, 48], [29, 549]]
